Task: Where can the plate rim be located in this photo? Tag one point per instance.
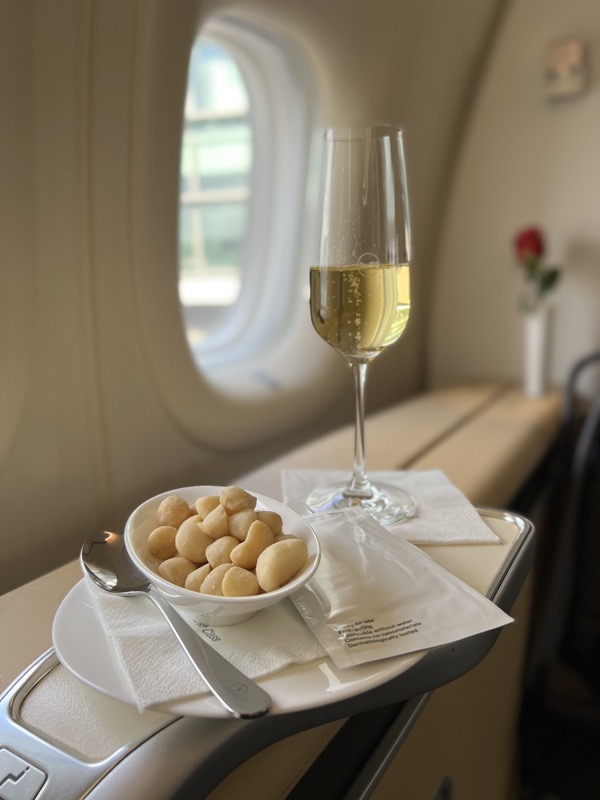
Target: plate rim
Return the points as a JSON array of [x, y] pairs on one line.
[[367, 676]]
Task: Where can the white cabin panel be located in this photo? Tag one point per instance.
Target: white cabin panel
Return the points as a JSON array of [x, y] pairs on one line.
[[523, 161]]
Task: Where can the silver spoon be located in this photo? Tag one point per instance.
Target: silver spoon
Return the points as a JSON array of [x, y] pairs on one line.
[[107, 562]]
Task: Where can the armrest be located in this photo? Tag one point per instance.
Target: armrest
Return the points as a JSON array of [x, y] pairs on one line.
[[490, 458], [26, 616]]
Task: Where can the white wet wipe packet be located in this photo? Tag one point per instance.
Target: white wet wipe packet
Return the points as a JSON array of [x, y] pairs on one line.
[[376, 595]]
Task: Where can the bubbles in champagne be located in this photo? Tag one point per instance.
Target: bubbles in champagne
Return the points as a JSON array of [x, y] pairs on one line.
[[362, 308]]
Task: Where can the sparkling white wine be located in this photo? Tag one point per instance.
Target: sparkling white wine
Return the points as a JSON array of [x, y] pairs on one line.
[[360, 309]]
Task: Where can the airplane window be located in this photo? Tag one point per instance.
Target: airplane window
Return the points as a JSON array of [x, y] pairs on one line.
[[242, 353], [216, 162], [248, 177]]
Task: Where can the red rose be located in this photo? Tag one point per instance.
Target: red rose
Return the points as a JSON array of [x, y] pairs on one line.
[[529, 243], [540, 278]]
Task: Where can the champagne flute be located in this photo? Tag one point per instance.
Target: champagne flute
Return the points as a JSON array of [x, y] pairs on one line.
[[360, 288]]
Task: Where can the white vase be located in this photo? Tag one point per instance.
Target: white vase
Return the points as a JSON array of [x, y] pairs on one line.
[[536, 347]]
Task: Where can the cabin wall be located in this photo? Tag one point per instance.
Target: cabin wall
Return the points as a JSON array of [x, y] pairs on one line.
[[522, 161], [92, 98]]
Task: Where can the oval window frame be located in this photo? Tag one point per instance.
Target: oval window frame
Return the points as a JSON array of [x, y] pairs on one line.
[[272, 377]]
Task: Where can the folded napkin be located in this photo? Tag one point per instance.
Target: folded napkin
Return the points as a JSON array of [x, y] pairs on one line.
[[444, 515], [155, 668]]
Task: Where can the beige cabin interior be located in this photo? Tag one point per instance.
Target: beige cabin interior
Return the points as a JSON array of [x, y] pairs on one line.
[[91, 345]]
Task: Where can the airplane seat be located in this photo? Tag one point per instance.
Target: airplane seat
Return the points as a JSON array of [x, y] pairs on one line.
[[567, 618], [561, 708]]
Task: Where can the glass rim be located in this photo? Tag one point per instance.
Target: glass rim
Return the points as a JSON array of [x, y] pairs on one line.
[[341, 133]]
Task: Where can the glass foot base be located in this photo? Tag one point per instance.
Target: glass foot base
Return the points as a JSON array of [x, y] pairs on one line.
[[387, 504]]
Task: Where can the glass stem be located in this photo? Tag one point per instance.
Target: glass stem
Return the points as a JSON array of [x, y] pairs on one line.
[[359, 486]]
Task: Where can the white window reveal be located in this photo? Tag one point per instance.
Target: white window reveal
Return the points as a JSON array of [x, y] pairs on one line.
[[216, 164], [249, 189]]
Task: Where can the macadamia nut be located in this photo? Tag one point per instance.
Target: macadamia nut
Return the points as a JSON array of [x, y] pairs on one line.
[[204, 505], [280, 562], [216, 524], [272, 519], [235, 499], [240, 521], [219, 552], [191, 541], [173, 510], [247, 552], [176, 570], [161, 542], [238, 582], [194, 579], [212, 583]]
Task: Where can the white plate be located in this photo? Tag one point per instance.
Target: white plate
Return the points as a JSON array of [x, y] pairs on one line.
[[83, 648]]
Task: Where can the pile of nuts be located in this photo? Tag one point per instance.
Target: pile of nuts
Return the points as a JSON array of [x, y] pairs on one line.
[[221, 545]]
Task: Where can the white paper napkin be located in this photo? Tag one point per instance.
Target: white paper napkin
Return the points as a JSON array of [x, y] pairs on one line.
[[444, 515], [154, 666]]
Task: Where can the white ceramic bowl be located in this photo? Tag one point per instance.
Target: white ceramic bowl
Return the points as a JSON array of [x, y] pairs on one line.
[[207, 609]]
